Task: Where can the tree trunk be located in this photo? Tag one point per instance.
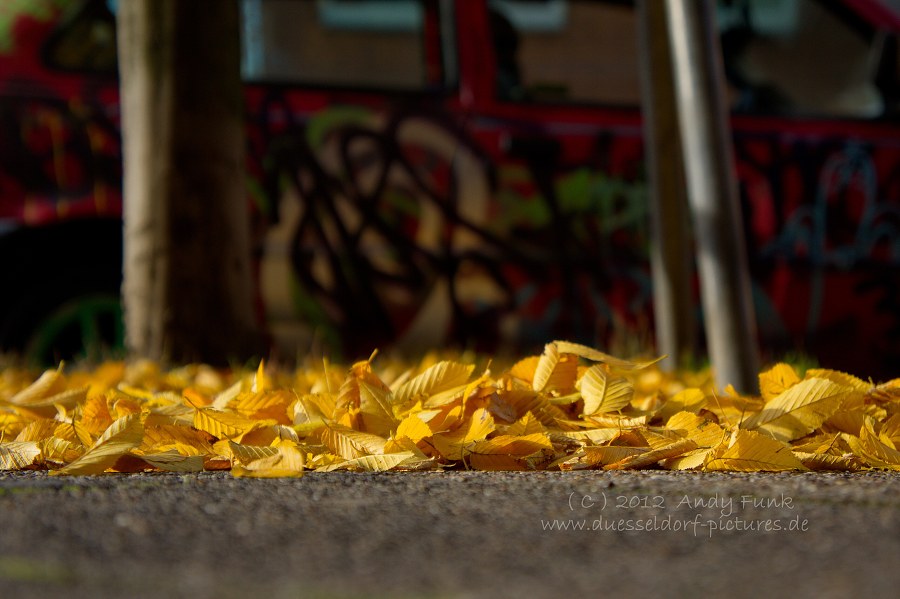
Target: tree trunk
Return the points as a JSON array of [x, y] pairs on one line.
[[187, 288]]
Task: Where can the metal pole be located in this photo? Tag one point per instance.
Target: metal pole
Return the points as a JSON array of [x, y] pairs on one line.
[[670, 251], [712, 193]]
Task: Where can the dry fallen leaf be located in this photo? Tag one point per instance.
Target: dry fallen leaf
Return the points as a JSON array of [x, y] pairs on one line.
[[572, 407]]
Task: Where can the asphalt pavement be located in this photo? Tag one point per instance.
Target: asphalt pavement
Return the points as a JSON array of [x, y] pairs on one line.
[[451, 534]]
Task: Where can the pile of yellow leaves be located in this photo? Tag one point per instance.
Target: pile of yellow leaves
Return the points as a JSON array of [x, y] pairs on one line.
[[570, 408]]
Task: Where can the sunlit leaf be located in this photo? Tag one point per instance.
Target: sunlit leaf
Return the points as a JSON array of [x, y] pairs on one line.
[[588, 353], [838, 378], [250, 453], [289, 462], [526, 425], [49, 383], [700, 430], [512, 445], [875, 451], [571, 408], [596, 436], [455, 445], [269, 405], [17, 455], [610, 454], [825, 461], [37, 430], [222, 424], [692, 460], [413, 428], [524, 369], [376, 397], [616, 421], [555, 372], [525, 401], [686, 400], [60, 451], [799, 410], [351, 444], [121, 436], [374, 463], [440, 377], [750, 451], [776, 380], [604, 392], [165, 437], [671, 450]]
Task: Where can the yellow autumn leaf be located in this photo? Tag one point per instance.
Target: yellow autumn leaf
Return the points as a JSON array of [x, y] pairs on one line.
[[306, 411], [589, 353], [674, 449], [440, 377], [187, 441], [224, 398], [122, 435], [526, 425], [67, 398], [604, 392], [847, 421], [874, 450], [749, 451], [414, 428], [95, 415], [528, 400], [799, 410], [692, 460], [524, 369], [890, 428], [454, 446], [532, 416], [260, 380], [700, 430], [827, 461], [686, 400], [555, 372], [17, 455], [222, 424], [289, 462], [376, 398], [37, 430], [776, 380], [512, 445], [250, 453], [597, 436], [49, 383], [267, 405], [374, 463], [609, 454], [60, 451], [616, 421], [838, 378], [349, 443]]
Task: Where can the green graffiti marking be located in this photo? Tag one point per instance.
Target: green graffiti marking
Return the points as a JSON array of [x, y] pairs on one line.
[[322, 123]]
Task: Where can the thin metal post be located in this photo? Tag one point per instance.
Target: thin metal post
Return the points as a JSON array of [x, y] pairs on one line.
[[670, 250], [712, 193]]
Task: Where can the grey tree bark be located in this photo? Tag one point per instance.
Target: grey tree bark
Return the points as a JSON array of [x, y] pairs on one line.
[[188, 289]]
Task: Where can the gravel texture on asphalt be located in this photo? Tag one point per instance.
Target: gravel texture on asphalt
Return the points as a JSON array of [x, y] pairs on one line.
[[451, 534]]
